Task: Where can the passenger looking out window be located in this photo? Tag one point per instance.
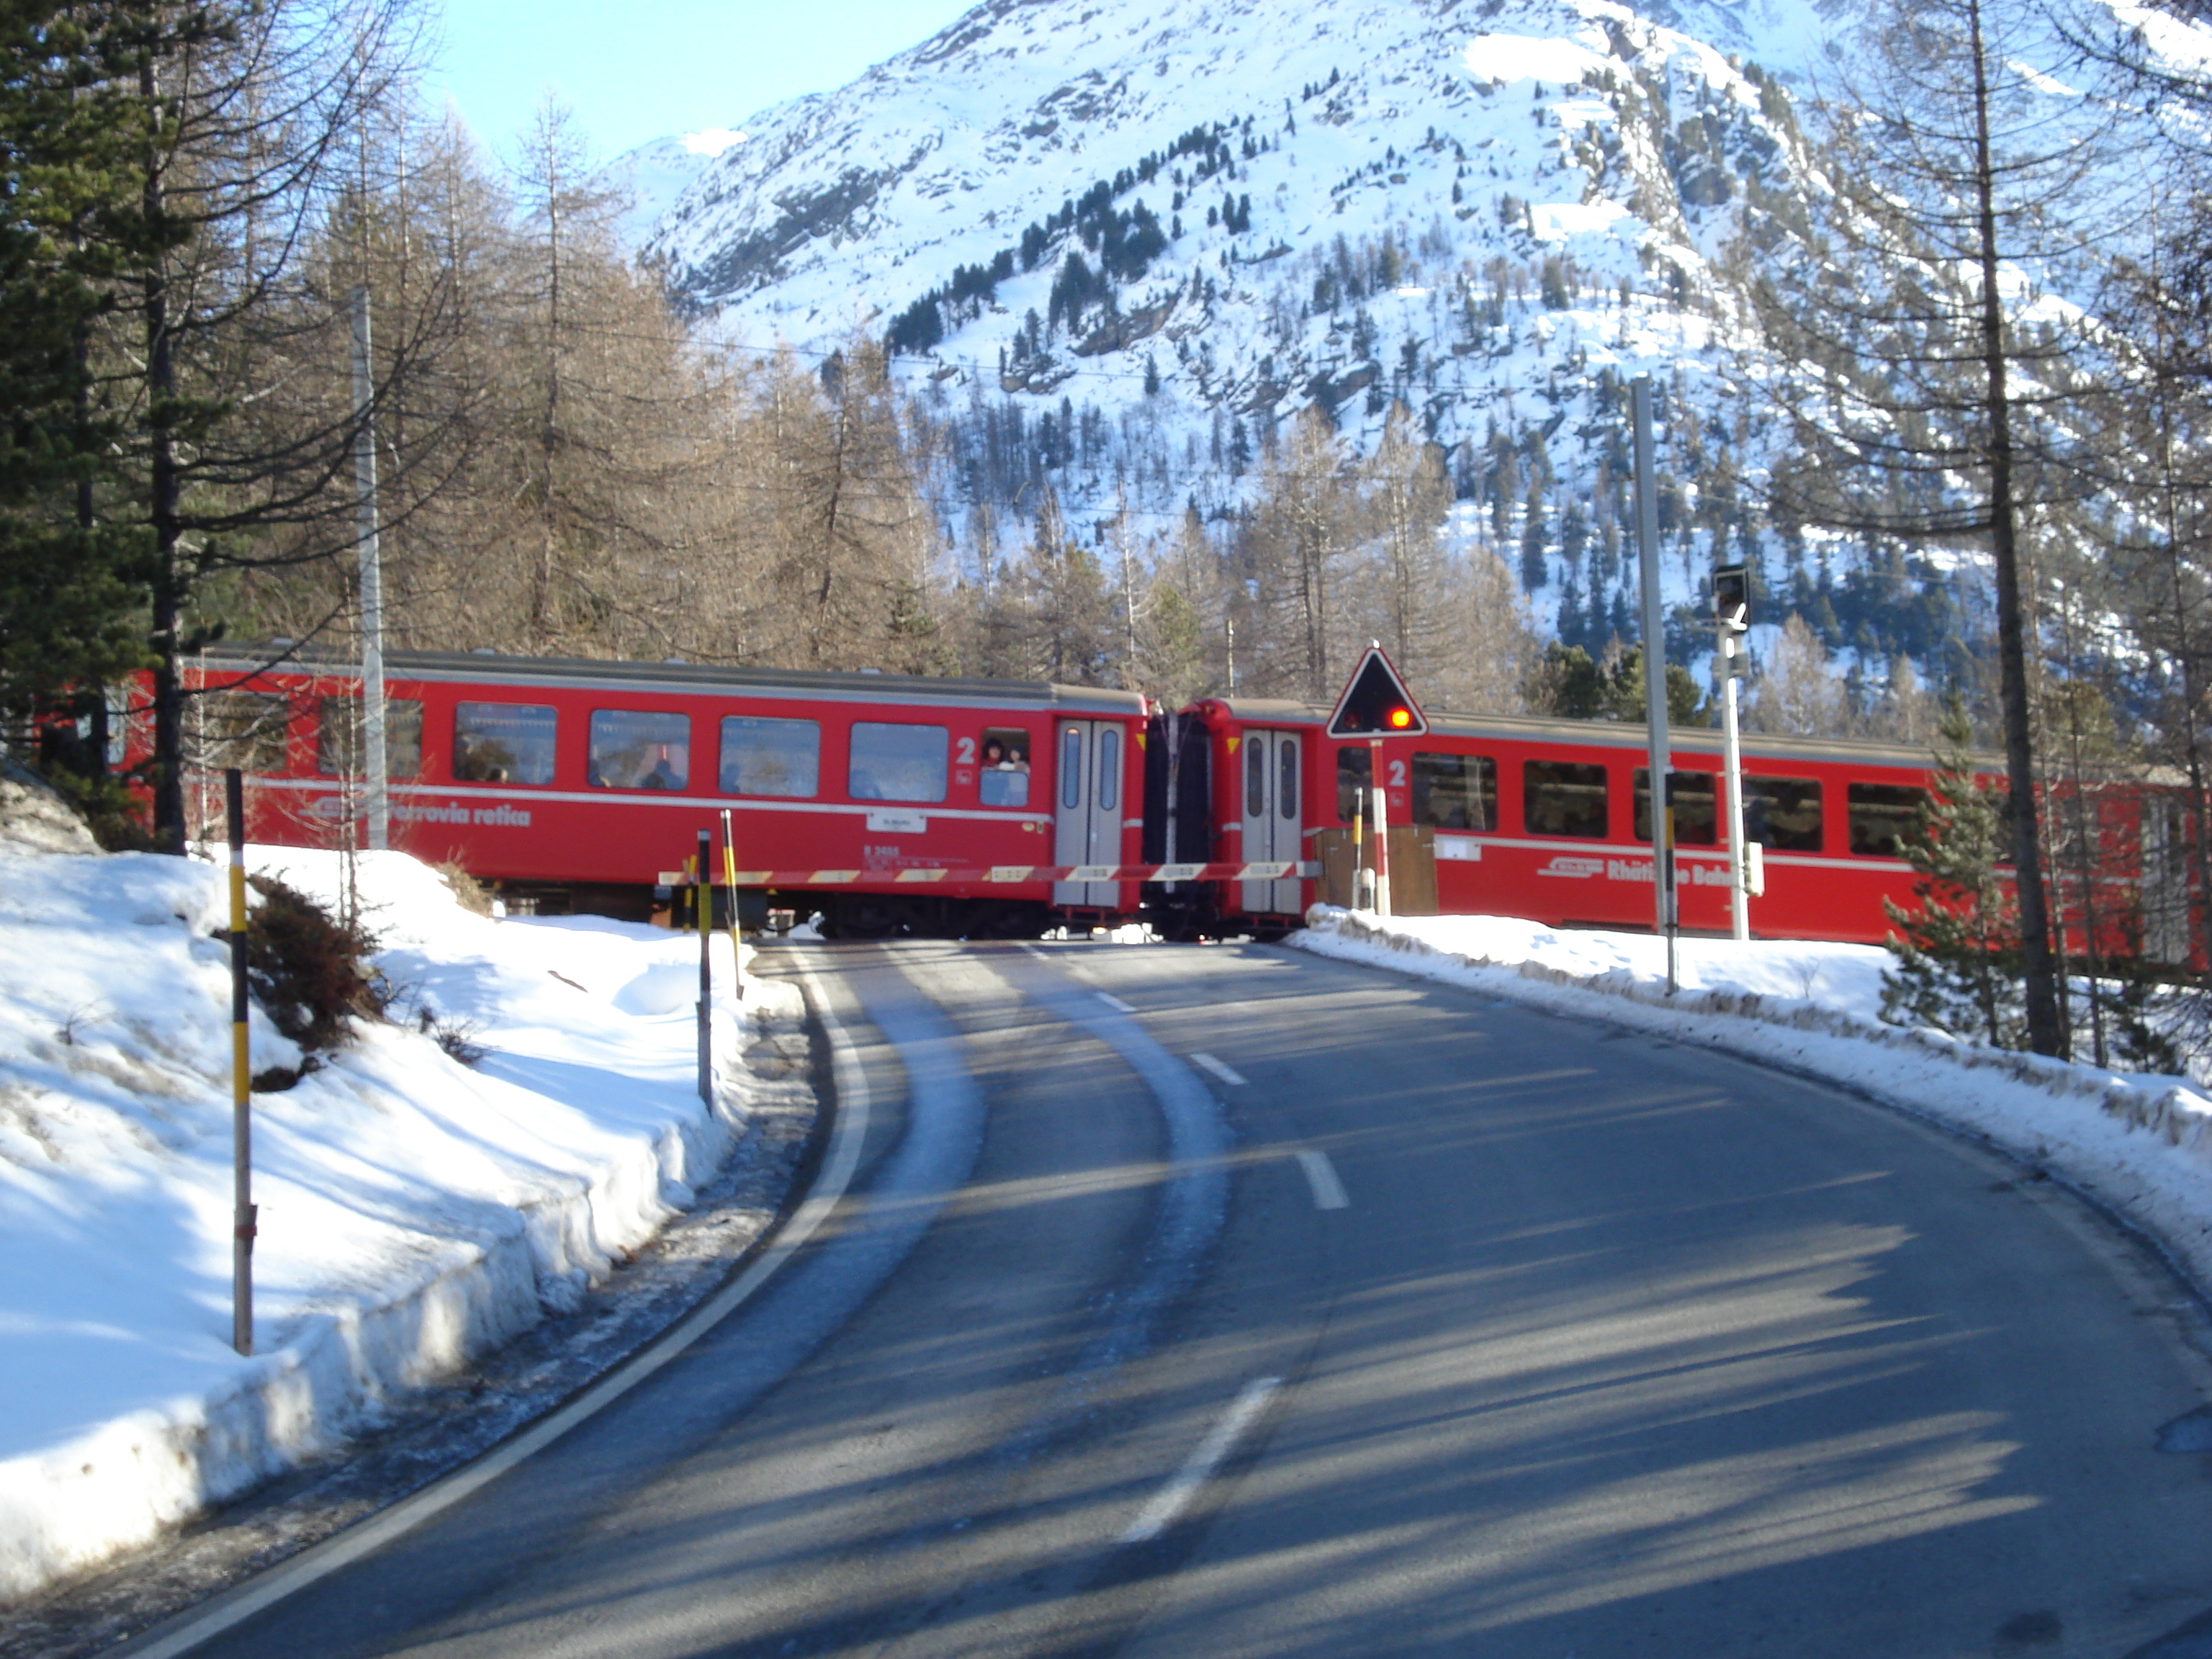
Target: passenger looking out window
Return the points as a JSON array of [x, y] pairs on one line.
[[1004, 780]]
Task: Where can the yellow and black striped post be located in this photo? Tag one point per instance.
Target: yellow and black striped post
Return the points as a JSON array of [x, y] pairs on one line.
[[705, 890], [730, 884], [241, 1081]]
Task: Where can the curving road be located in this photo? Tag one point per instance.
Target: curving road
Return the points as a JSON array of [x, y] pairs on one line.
[[1226, 1300]]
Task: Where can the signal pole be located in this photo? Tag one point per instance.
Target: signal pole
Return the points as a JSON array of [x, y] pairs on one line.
[[1732, 616]]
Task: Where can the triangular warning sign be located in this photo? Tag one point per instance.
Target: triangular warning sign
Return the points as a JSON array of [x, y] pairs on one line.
[[1376, 703]]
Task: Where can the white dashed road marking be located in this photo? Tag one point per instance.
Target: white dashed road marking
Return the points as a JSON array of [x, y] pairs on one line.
[[1114, 1003], [1172, 1499], [1320, 1176], [1227, 1074]]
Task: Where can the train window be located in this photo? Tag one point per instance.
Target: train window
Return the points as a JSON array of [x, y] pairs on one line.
[[1697, 822], [1783, 813], [338, 738], [1110, 768], [1563, 798], [1286, 778], [1071, 767], [1005, 779], [503, 742], [1255, 778], [894, 760], [1455, 791], [770, 757], [639, 749], [244, 729], [1355, 764], [1877, 814]]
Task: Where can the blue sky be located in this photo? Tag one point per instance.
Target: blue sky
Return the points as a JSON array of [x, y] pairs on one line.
[[647, 69]]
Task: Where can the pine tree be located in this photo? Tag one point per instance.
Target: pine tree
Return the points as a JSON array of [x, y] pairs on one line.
[[1958, 952], [67, 608]]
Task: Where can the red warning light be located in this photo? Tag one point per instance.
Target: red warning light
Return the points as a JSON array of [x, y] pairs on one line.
[[1376, 703]]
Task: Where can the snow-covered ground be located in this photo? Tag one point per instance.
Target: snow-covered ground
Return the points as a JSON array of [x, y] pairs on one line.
[[413, 1211], [2141, 1146]]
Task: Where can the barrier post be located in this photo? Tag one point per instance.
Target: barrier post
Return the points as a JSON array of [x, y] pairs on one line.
[[729, 884], [242, 1227], [1382, 831], [705, 892], [1363, 880]]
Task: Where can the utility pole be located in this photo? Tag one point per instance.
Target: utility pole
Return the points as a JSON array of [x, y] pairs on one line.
[[375, 760], [1655, 676]]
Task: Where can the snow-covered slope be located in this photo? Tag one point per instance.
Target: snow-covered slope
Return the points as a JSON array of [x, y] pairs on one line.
[[1491, 213], [413, 1211]]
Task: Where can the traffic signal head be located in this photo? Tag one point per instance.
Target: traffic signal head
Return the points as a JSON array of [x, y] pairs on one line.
[[1732, 597], [1376, 703]]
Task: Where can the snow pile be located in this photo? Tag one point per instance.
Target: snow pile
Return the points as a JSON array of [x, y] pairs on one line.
[[413, 1211], [2140, 1144], [34, 819]]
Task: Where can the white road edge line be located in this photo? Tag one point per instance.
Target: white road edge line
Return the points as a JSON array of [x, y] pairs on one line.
[[1172, 1499], [1228, 1074], [1114, 1002], [1320, 1176], [342, 1549]]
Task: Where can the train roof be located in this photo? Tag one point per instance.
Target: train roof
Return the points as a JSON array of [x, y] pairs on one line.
[[1614, 734], [494, 668]]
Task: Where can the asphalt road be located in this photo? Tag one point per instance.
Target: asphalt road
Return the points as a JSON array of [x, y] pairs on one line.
[[1224, 1301]]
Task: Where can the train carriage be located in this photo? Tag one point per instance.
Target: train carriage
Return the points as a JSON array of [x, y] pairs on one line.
[[1550, 820], [887, 802]]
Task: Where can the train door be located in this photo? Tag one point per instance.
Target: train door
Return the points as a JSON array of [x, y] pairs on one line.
[[1087, 808], [1271, 817]]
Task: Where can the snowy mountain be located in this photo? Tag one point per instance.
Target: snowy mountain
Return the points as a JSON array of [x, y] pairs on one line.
[[1119, 243]]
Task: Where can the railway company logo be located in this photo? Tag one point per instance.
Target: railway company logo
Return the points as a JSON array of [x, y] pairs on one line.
[[1575, 869], [454, 812]]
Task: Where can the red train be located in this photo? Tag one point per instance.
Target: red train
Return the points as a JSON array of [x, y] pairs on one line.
[[898, 804], [889, 803]]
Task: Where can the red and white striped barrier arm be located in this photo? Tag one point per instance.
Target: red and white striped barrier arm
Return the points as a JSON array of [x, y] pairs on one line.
[[999, 874]]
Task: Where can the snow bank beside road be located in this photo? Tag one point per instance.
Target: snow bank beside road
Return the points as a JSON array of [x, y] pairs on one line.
[[2140, 1145], [412, 1211]]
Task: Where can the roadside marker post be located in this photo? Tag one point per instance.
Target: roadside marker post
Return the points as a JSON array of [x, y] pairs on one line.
[[242, 1228], [1382, 829], [730, 882], [1363, 879], [704, 893]]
